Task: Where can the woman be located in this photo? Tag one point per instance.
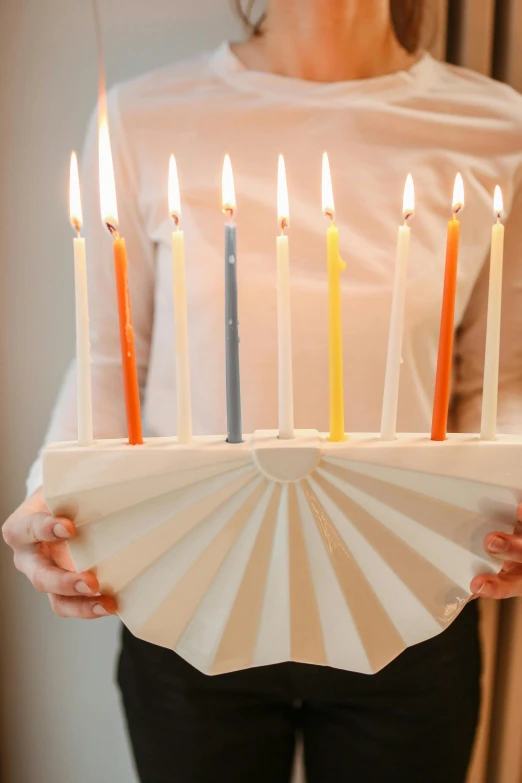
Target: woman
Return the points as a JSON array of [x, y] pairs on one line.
[[347, 76]]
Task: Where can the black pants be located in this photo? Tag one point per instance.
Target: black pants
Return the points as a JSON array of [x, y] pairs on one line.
[[413, 722]]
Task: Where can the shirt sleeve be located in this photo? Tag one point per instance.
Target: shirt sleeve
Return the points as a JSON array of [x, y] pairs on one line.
[[471, 340], [109, 416]]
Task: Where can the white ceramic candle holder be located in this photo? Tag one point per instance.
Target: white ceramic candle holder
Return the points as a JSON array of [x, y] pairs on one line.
[[341, 554]]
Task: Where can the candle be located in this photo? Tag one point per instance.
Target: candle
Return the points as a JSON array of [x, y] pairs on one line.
[[284, 335], [490, 390], [335, 267], [184, 413], [443, 378], [393, 364], [83, 345], [110, 218], [234, 427]]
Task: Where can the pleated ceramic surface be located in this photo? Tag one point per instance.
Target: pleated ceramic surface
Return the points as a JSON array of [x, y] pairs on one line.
[[339, 554]]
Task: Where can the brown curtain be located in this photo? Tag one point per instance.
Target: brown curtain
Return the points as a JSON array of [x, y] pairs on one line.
[[486, 35]]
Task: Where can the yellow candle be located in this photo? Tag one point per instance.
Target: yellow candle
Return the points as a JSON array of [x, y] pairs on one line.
[[335, 266]]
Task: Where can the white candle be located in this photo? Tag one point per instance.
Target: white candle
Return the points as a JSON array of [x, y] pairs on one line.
[[83, 345], [184, 410], [284, 318], [488, 425], [393, 363]]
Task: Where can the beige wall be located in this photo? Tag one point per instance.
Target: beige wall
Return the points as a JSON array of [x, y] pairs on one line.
[[60, 717]]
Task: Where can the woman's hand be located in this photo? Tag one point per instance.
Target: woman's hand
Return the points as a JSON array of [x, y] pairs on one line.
[[38, 541], [508, 584]]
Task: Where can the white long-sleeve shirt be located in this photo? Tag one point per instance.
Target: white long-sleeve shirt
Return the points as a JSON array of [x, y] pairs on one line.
[[432, 121]]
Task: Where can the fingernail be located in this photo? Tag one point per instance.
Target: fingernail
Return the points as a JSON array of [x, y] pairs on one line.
[[81, 587], [99, 610], [60, 531], [497, 544], [483, 590]]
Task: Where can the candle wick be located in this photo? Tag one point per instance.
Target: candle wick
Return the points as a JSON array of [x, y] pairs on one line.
[[284, 225], [175, 218], [407, 217], [499, 217], [329, 214], [113, 231], [456, 209], [77, 226]]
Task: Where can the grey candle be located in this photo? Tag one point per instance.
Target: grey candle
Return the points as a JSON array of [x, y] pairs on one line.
[[233, 391]]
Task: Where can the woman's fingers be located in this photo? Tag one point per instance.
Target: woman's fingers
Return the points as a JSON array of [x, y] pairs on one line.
[[46, 577], [39, 543], [505, 585], [24, 529], [83, 608], [71, 594], [508, 547], [507, 566], [59, 554]]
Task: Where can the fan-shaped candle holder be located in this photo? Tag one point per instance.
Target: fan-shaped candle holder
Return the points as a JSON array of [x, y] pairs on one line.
[[340, 554]]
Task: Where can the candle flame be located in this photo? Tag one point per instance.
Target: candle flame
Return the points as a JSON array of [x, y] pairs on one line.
[[109, 208], [328, 199], [498, 202], [229, 194], [174, 197], [75, 202], [458, 194], [408, 203], [283, 209]]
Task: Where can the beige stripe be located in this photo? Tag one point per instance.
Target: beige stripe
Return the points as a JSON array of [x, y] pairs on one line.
[[118, 570], [460, 457], [156, 459], [171, 618], [237, 646], [457, 524], [379, 637], [433, 588], [306, 634], [100, 500]]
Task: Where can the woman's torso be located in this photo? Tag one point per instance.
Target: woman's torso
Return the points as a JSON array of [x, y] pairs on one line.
[[432, 121]]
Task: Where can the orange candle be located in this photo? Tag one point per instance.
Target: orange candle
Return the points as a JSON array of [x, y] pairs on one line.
[[110, 218], [130, 374], [447, 322]]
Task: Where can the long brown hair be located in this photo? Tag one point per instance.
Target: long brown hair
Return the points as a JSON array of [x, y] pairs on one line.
[[408, 18]]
